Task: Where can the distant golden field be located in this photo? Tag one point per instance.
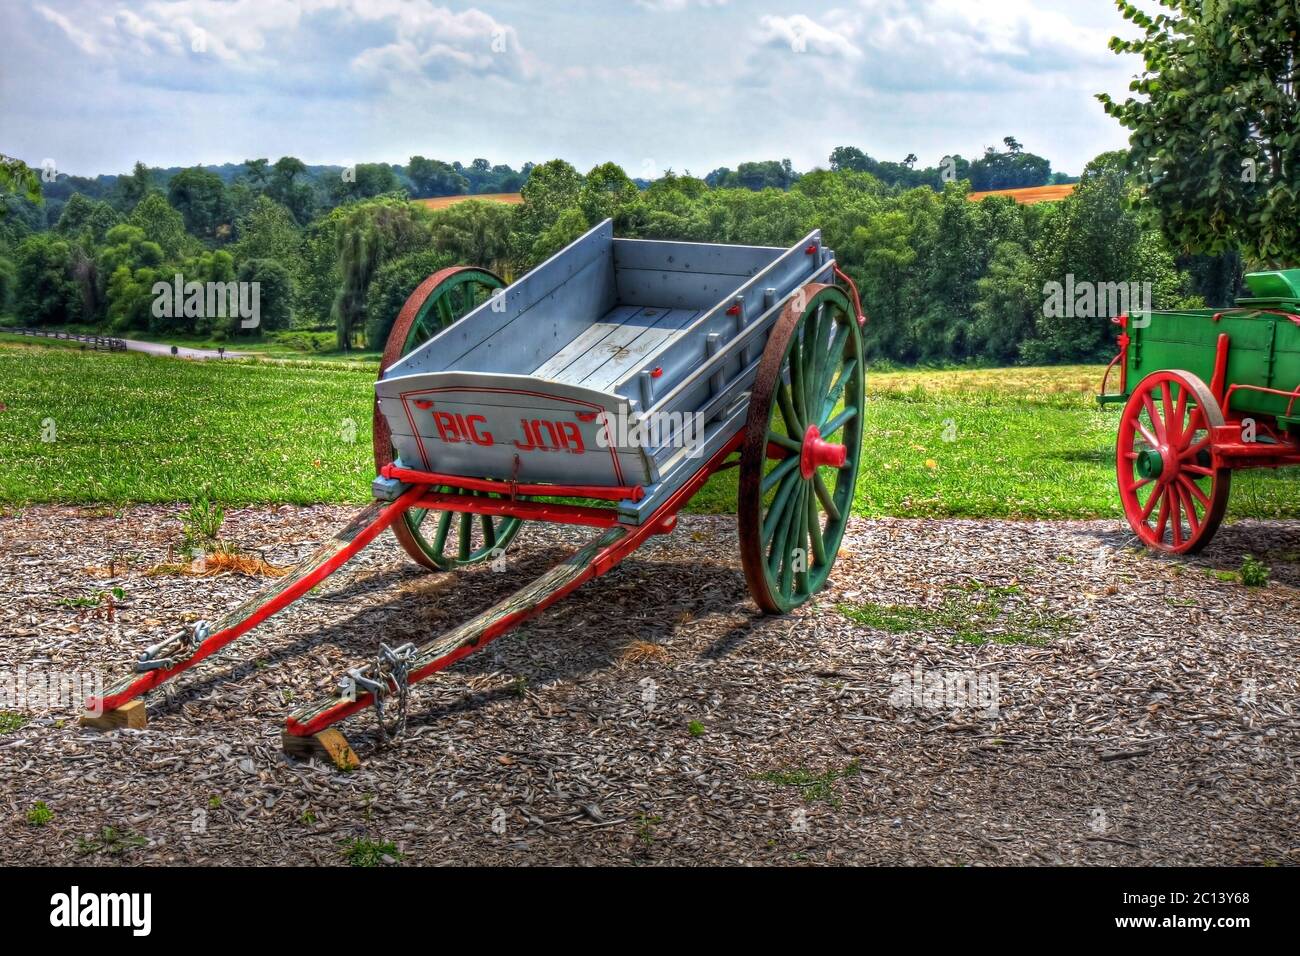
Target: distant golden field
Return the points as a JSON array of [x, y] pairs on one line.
[[1027, 197], [442, 202]]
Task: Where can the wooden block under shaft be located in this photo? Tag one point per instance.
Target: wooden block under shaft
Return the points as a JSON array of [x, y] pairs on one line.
[[329, 743], [132, 714]]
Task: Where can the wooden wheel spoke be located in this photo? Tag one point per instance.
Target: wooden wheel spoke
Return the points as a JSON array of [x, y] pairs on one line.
[[1156, 422], [444, 312], [1147, 436], [815, 532], [824, 495], [793, 423], [440, 537], [794, 523], [839, 421], [778, 559], [780, 502], [834, 360], [1195, 490], [489, 532], [1163, 519], [1193, 523], [797, 385], [465, 535], [812, 355], [1180, 414], [832, 398], [1152, 501], [1166, 405], [1174, 507], [784, 441], [783, 468], [1194, 449]]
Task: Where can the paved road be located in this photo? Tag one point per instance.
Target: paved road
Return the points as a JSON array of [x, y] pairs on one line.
[[158, 348]]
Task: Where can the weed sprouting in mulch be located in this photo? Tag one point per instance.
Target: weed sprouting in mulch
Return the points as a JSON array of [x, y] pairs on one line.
[[974, 613], [364, 852], [813, 787]]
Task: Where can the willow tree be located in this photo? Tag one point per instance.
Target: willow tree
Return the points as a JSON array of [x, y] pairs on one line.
[[1215, 123], [373, 234], [20, 179]]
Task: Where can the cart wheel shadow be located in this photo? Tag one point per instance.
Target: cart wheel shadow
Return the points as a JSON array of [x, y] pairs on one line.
[[576, 636], [420, 612], [568, 640], [1276, 544]]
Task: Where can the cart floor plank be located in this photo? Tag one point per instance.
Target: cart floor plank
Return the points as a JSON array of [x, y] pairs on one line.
[[607, 350]]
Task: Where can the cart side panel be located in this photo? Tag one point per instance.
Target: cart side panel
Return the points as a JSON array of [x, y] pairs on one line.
[[1263, 351], [1286, 366], [532, 319], [509, 427], [684, 275], [683, 357], [656, 255]]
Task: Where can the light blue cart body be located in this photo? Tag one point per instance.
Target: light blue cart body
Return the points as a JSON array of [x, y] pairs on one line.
[[617, 362]]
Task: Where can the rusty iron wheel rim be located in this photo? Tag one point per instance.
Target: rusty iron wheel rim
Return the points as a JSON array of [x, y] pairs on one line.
[[453, 538], [810, 387]]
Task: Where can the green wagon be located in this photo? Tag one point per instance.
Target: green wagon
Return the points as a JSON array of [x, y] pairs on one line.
[[1205, 392]]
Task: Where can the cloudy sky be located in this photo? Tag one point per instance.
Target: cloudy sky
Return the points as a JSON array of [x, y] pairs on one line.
[[690, 84]]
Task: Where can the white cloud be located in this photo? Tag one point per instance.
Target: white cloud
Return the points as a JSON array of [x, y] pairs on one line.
[[406, 37], [801, 34], [674, 6], [436, 44], [692, 84], [82, 40], [928, 44]]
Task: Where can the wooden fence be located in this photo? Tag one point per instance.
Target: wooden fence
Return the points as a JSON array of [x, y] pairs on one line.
[[102, 343]]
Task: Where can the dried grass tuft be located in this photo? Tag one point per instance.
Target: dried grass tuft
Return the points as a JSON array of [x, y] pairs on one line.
[[222, 561], [641, 652]]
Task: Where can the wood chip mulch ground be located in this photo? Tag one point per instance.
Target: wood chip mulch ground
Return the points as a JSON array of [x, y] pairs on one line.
[[964, 692]]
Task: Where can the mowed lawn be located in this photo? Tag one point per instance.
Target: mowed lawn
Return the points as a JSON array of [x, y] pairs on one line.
[[127, 427], [1019, 442]]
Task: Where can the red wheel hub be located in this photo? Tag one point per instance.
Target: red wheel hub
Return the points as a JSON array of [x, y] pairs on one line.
[[817, 453]]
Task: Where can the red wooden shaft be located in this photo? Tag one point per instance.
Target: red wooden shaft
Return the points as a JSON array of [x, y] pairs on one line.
[[662, 521], [151, 679]]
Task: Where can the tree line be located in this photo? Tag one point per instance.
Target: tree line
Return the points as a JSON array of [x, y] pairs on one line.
[[943, 278]]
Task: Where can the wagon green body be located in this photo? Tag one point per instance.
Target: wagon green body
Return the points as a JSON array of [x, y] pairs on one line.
[[1205, 392], [1264, 350]]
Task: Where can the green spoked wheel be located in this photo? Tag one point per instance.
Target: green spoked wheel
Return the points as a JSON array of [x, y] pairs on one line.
[[802, 447], [440, 540]]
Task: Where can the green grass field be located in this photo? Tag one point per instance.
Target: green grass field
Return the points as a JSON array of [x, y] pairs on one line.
[[1021, 442]]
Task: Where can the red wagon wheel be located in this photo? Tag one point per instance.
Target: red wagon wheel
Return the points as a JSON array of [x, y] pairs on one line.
[[445, 539], [802, 446], [1173, 496]]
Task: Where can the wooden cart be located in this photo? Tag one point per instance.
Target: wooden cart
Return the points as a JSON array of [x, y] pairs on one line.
[[602, 389], [1216, 391]]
